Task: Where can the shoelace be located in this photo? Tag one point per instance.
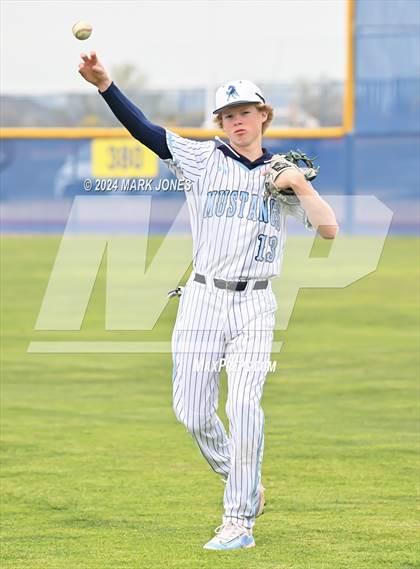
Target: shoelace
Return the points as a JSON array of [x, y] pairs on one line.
[[229, 530]]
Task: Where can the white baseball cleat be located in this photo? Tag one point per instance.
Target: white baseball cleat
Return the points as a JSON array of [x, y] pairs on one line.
[[230, 536]]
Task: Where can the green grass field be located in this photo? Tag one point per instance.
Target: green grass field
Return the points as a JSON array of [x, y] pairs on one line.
[[97, 473]]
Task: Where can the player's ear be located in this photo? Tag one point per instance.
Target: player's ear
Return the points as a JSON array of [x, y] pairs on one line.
[[221, 123], [218, 121], [264, 116]]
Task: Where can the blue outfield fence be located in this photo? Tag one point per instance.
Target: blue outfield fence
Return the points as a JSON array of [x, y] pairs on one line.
[[41, 177], [375, 153]]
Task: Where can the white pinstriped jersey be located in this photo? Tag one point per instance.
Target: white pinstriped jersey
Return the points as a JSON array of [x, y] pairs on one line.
[[237, 234]]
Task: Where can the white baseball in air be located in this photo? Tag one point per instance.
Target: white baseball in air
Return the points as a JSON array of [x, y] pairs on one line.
[[82, 30]]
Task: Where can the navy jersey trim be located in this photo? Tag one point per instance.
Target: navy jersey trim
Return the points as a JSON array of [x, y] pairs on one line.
[[243, 160]]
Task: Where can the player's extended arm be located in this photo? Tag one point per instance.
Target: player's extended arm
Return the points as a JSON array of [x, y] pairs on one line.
[[319, 213], [151, 135]]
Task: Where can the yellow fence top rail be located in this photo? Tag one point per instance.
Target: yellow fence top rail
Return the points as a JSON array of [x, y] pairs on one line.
[[321, 132], [326, 132]]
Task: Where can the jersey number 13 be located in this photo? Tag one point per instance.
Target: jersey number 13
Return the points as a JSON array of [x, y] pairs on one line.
[[266, 248]]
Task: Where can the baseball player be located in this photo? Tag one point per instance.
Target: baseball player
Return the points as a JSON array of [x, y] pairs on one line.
[[227, 309]]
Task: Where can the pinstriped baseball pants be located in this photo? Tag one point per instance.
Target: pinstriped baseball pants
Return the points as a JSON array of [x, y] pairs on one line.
[[216, 328]]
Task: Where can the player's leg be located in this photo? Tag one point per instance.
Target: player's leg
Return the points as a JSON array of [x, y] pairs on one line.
[[247, 361], [197, 349]]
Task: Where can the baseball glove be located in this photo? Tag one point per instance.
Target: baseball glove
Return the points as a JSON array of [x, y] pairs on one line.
[[280, 162]]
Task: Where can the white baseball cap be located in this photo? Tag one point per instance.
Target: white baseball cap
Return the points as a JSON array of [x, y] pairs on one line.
[[237, 93]]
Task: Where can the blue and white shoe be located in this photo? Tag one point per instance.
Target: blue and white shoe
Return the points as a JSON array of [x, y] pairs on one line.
[[229, 536]]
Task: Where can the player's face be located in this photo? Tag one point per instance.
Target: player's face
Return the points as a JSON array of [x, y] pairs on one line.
[[243, 124]]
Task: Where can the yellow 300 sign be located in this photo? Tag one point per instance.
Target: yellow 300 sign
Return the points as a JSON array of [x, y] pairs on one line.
[[122, 158]]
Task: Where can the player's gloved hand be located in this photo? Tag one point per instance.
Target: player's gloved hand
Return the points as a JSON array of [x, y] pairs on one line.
[[280, 162], [94, 72]]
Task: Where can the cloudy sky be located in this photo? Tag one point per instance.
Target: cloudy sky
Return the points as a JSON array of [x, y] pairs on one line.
[[173, 43]]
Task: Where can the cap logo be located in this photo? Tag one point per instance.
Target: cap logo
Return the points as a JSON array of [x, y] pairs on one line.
[[231, 92]]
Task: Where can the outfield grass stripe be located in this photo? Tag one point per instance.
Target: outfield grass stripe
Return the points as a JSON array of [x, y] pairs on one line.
[[110, 347], [97, 473]]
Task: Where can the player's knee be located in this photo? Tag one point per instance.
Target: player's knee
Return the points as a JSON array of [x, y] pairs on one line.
[[179, 413], [194, 423], [241, 407]]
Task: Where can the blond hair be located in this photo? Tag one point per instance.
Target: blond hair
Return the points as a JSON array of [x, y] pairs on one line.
[[261, 107]]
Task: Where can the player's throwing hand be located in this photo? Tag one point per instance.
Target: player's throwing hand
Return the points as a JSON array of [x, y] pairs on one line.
[[93, 71]]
